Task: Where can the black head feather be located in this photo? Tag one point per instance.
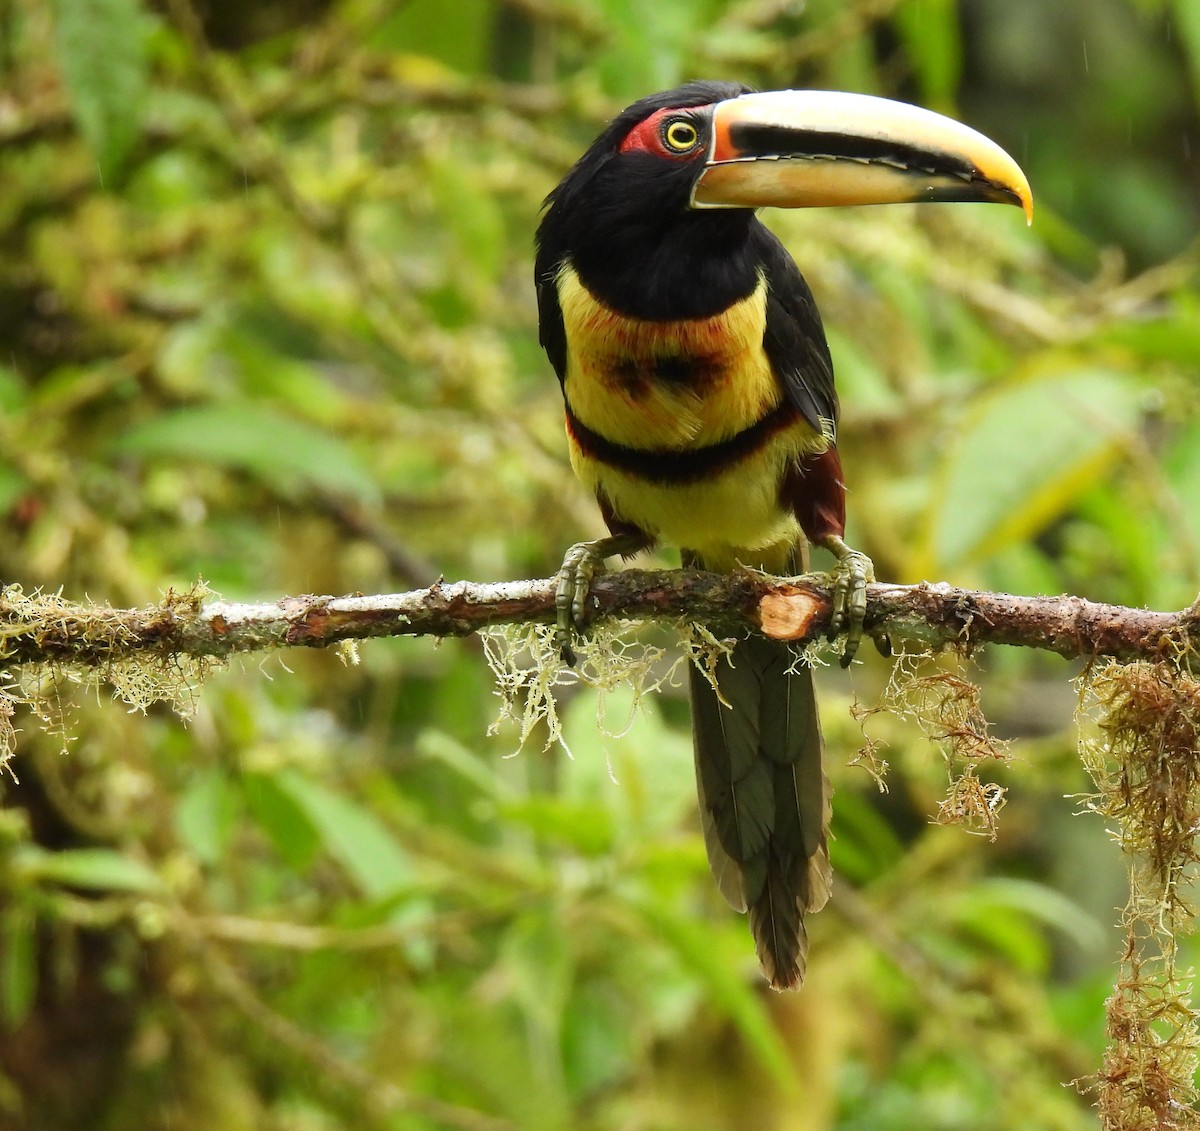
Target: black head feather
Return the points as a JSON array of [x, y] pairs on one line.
[[623, 220], [604, 150]]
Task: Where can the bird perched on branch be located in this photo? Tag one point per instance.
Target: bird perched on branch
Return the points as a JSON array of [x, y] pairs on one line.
[[701, 411]]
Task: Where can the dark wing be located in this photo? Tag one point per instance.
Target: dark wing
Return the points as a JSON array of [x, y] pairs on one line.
[[552, 333], [795, 338]]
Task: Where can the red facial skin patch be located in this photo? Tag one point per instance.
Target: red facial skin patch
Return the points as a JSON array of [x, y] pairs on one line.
[[647, 136]]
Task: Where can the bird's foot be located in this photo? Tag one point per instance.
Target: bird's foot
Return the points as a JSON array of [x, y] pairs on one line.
[[854, 572], [580, 564]]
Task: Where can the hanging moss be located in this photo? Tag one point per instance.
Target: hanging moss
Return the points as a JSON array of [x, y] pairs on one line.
[[1144, 756]]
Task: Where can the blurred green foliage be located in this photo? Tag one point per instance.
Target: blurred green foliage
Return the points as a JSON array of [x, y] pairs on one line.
[[266, 317]]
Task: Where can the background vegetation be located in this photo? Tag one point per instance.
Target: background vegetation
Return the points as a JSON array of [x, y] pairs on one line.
[[266, 318]]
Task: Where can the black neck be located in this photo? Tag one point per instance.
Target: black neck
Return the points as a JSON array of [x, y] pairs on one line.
[[637, 246], [692, 266]]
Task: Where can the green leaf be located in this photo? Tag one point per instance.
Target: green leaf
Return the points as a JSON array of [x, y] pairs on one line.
[[1187, 24], [1021, 456], [585, 827], [12, 486], [540, 967], [863, 846], [18, 965], [470, 213], [1049, 907], [205, 815], [1182, 464], [436, 746], [649, 45], [930, 31], [597, 1040], [285, 453], [1175, 339], [1003, 913], [101, 47], [352, 835], [14, 393], [426, 30], [860, 381], [97, 869], [634, 765], [492, 1052], [279, 816], [725, 989]]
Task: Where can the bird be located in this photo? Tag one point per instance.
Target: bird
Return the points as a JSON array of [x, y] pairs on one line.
[[700, 410]]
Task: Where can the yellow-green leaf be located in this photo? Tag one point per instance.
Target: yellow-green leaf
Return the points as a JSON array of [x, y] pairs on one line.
[[286, 453], [101, 46], [96, 869], [1019, 458]]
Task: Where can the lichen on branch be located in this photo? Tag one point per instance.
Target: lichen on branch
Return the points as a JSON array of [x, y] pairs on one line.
[[164, 652], [39, 628]]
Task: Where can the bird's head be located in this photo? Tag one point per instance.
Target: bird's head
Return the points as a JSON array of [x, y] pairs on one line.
[[666, 195], [714, 145]]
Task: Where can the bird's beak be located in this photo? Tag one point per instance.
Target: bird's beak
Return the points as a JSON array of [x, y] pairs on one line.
[[814, 148]]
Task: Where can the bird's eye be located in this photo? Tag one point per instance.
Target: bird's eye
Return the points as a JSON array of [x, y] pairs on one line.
[[680, 135]]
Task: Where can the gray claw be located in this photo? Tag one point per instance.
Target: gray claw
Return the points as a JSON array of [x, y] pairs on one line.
[[853, 574], [580, 565]]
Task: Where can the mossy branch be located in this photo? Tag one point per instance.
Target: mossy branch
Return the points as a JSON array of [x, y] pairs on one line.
[[37, 629]]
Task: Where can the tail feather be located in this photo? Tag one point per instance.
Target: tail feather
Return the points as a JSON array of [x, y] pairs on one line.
[[764, 797], [777, 923]]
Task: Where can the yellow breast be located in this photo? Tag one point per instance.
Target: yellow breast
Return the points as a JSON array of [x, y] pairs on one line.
[[733, 516], [670, 388], [679, 384]]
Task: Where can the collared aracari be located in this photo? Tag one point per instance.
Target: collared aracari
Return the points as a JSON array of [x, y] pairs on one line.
[[700, 410]]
